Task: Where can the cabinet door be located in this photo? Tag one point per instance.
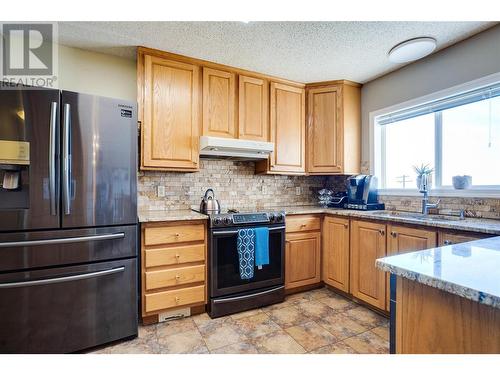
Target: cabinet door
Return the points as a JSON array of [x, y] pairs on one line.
[[335, 252], [253, 106], [219, 103], [171, 125], [325, 138], [287, 128], [302, 259], [368, 244], [403, 240]]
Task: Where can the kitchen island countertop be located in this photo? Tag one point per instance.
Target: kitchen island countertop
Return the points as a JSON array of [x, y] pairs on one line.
[[469, 270]]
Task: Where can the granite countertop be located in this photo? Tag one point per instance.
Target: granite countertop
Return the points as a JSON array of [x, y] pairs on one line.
[[147, 216], [469, 269], [487, 226]]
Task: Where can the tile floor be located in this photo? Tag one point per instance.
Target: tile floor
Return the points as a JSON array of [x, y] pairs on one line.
[[318, 321]]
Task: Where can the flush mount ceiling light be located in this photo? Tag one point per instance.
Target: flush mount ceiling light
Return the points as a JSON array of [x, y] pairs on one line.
[[412, 49]]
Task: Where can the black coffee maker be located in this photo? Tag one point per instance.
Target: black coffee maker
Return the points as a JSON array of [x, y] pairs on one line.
[[362, 193]]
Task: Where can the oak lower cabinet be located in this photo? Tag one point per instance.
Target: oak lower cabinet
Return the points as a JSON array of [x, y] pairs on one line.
[[402, 239], [368, 243], [287, 127], [334, 128], [451, 238], [335, 252], [173, 273], [169, 111], [302, 251]]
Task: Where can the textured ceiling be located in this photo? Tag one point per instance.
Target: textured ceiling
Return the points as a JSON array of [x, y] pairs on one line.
[[301, 51]]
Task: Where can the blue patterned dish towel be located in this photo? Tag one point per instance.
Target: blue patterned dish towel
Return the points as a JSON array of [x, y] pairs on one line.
[[246, 252]]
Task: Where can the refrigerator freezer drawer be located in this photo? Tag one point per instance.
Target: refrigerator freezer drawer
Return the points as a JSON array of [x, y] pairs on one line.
[[21, 251], [68, 309]]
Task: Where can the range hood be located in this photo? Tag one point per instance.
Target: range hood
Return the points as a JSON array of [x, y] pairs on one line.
[[234, 148]]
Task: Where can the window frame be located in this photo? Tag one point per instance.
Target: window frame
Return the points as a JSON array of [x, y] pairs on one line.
[[377, 143]]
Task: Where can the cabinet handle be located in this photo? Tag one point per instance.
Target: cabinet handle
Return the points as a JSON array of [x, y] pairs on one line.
[[382, 232]]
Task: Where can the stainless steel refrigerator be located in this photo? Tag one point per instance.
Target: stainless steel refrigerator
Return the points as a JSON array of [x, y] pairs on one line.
[[68, 220]]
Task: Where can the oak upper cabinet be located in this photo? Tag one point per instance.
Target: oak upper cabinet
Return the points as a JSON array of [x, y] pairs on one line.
[[219, 103], [287, 126], [170, 114], [335, 250], [368, 243], [334, 128], [253, 105]]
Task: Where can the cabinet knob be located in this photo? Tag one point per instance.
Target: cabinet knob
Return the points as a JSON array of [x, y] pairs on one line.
[[177, 256], [394, 234], [177, 277], [177, 235], [382, 232], [303, 225], [346, 226], [448, 242], [177, 299]]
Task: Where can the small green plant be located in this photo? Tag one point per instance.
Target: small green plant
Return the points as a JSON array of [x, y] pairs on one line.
[[423, 169]]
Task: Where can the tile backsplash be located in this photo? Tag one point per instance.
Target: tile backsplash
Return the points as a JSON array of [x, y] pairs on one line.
[[235, 184]]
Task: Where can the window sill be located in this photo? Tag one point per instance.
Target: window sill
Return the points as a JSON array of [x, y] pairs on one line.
[[467, 193]]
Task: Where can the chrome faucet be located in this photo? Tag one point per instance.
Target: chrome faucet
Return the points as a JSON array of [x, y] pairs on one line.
[[424, 189]]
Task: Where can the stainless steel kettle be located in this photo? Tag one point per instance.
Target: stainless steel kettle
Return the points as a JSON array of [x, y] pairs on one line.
[[209, 204]]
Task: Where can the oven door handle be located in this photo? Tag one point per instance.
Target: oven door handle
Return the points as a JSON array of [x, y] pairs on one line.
[[246, 296], [221, 232]]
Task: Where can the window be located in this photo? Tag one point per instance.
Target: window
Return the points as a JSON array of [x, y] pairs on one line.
[[457, 135]]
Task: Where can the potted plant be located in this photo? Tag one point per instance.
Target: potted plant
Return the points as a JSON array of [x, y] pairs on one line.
[[423, 169]]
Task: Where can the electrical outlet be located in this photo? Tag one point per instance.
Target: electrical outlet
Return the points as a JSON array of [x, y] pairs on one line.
[[161, 191], [298, 190]]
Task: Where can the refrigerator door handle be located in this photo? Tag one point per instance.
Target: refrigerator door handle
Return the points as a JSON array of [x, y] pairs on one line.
[[52, 158], [66, 159], [55, 280], [53, 241]]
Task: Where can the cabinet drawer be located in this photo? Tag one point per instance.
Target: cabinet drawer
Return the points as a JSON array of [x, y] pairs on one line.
[[174, 234], [174, 298], [174, 255], [174, 276], [302, 223], [452, 238]]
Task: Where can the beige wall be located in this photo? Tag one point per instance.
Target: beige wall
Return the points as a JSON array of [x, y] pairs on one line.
[[96, 73], [471, 59]]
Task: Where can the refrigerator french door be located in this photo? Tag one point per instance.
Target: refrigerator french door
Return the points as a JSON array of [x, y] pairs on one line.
[[68, 220]]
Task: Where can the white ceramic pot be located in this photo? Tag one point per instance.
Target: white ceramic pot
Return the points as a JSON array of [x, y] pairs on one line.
[[461, 182]]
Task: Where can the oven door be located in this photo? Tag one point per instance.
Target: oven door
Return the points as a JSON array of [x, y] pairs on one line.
[[224, 263]]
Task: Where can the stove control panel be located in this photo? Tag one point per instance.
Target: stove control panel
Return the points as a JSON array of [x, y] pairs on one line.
[[242, 219]]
